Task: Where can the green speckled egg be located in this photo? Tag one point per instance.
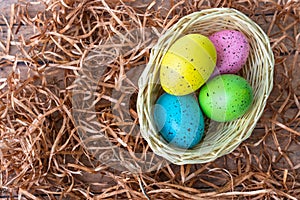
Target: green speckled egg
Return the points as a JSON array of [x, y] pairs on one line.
[[226, 97], [187, 64]]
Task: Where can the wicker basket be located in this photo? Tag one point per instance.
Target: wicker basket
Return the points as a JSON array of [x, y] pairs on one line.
[[220, 138]]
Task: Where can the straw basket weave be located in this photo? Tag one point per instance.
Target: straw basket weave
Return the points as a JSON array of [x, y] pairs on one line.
[[220, 138]]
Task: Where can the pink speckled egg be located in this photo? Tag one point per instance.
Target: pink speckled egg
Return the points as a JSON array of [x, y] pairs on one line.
[[232, 51]]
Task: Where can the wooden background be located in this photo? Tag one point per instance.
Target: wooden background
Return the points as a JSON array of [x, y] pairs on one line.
[[292, 150]]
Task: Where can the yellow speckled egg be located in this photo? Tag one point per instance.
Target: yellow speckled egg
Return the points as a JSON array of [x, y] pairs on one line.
[[187, 64]]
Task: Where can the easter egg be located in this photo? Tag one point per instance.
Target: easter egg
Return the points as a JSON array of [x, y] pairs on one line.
[[232, 51], [225, 97], [179, 120], [187, 64]]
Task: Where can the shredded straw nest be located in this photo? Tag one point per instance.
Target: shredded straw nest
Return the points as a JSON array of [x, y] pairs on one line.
[[47, 48], [221, 138]]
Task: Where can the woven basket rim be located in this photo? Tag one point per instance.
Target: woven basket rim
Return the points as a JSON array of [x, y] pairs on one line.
[[148, 81]]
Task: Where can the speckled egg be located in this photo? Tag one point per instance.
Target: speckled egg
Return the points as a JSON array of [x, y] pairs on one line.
[[232, 51], [187, 64], [226, 97], [179, 120]]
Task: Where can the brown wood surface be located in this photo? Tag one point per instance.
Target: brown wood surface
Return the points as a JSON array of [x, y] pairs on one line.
[[5, 8]]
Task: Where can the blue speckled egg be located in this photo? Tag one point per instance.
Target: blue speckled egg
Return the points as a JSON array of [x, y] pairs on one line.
[[179, 120]]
